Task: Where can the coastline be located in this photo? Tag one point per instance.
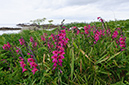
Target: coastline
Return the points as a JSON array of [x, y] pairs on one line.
[[20, 27], [8, 28]]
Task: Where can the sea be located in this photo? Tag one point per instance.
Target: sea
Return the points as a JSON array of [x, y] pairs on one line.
[[13, 31], [9, 31]]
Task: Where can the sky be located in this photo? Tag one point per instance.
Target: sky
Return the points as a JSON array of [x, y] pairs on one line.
[[22, 11]]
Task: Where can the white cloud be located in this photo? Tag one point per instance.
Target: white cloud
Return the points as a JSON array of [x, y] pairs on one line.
[[15, 11]]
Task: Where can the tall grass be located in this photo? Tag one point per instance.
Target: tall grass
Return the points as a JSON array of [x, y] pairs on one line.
[[85, 62]]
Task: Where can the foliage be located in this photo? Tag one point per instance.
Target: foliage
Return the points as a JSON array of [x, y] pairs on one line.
[[87, 60]]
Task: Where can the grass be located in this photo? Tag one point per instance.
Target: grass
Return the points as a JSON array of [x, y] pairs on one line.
[[84, 63]]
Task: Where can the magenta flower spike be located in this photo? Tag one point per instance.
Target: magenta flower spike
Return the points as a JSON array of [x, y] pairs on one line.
[[59, 52], [22, 64], [22, 41], [122, 43], [54, 61], [115, 34], [55, 52], [31, 59], [33, 65], [78, 32], [54, 56], [7, 46], [34, 70], [31, 39], [23, 70], [86, 30], [43, 37]]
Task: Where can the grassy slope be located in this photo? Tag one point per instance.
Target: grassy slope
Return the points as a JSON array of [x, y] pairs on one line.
[[13, 38]]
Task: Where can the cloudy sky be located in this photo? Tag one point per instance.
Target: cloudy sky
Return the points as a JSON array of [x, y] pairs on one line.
[[22, 11]]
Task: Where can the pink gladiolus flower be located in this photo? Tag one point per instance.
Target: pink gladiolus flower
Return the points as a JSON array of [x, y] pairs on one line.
[[86, 29], [100, 19], [60, 71], [53, 37], [23, 70], [63, 27], [31, 39], [54, 61], [43, 38], [35, 44], [61, 52], [122, 43], [20, 57], [54, 56], [18, 49], [63, 31], [31, 59], [7, 46], [78, 32], [68, 29], [54, 65], [45, 34], [54, 68], [74, 27], [22, 41], [60, 60], [22, 64], [115, 34], [34, 70], [60, 64], [61, 57], [28, 53], [86, 32], [108, 31], [55, 52], [33, 64], [31, 56], [96, 36]]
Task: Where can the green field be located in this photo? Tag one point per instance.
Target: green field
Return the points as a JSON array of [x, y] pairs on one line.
[[92, 55]]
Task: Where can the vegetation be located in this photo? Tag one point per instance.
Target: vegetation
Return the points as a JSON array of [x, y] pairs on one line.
[[97, 54]]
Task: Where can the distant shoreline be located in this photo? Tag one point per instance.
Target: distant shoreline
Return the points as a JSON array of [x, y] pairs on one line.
[[29, 27], [8, 28]]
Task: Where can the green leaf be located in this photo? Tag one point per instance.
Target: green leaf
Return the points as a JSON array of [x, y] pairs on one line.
[[113, 56], [102, 59], [74, 44], [72, 65], [119, 83], [104, 72]]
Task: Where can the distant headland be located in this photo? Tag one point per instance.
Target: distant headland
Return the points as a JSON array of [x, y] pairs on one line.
[[29, 26]]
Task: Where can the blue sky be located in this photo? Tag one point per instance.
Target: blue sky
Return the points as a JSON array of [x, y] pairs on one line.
[[22, 11]]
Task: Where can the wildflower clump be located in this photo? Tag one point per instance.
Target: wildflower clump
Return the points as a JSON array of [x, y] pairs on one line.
[[122, 43], [58, 54], [34, 44], [22, 64], [33, 65], [7, 46], [22, 41]]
